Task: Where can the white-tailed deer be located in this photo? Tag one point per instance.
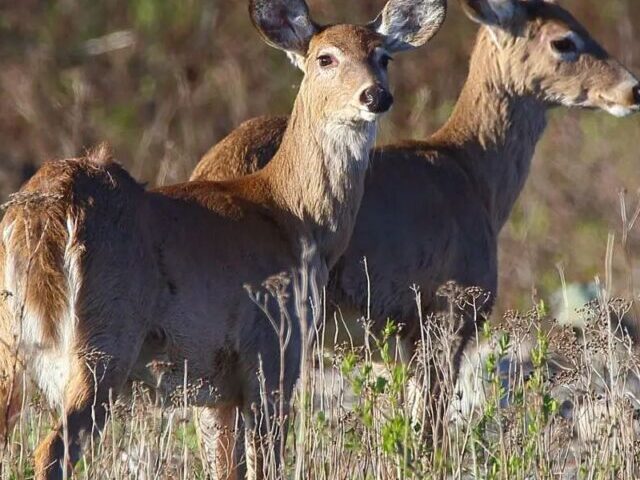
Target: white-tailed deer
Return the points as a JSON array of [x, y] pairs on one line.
[[433, 209], [107, 282]]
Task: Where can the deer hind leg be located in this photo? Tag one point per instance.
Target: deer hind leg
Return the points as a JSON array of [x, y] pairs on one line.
[[85, 410], [220, 429]]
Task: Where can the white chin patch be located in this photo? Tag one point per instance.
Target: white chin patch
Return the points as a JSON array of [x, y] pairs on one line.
[[619, 111], [368, 116]]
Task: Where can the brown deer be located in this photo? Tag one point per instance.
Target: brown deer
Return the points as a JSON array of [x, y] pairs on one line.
[[433, 209], [106, 282]]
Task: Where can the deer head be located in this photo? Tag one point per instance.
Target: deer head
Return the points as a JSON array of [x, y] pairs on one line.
[[548, 54], [345, 66]]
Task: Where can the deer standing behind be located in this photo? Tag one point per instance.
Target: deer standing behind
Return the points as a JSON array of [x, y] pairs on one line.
[[433, 209], [109, 283]]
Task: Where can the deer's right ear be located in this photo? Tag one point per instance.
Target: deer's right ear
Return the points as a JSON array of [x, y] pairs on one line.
[[497, 13], [409, 24], [284, 24]]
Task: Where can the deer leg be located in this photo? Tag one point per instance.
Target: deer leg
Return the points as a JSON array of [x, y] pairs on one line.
[[265, 433], [257, 445], [85, 410], [221, 438], [431, 396]]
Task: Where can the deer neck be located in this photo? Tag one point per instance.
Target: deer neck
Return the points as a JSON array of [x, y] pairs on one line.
[[318, 175], [495, 128]]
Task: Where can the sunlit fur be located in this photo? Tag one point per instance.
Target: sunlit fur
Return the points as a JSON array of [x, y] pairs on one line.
[[109, 283], [433, 210]]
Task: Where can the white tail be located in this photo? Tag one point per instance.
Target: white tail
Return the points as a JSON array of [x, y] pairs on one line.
[[110, 282]]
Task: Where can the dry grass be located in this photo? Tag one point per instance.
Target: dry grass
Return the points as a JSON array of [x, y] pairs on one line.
[[532, 402]]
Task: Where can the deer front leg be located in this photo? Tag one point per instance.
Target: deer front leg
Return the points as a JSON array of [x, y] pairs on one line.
[[222, 438]]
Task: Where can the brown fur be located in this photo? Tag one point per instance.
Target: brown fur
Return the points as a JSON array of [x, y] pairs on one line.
[[451, 194], [268, 131], [116, 281], [40, 226]]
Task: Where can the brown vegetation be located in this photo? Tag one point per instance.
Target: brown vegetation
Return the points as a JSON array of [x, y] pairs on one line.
[[163, 81]]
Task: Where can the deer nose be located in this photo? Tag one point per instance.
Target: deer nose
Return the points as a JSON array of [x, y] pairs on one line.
[[636, 94], [377, 99]]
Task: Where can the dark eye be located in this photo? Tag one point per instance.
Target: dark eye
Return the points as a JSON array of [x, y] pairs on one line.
[[384, 60], [326, 61], [564, 46]]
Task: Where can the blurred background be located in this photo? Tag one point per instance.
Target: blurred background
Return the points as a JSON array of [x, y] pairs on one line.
[[163, 80]]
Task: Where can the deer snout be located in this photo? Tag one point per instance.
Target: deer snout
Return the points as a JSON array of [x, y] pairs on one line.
[[622, 100], [376, 99]]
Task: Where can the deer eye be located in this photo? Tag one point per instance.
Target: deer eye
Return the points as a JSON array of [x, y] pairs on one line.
[[327, 61], [564, 46]]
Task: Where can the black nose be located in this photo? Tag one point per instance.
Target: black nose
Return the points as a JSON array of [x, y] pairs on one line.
[[377, 99], [636, 94]]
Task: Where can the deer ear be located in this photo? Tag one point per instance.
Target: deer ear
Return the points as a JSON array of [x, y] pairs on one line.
[[492, 12], [284, 24], [409, 24]]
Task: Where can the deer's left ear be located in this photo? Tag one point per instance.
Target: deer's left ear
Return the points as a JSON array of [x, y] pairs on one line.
[[408, 24]]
